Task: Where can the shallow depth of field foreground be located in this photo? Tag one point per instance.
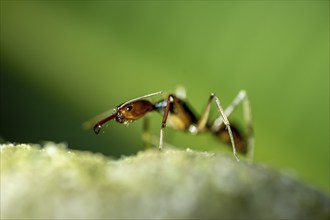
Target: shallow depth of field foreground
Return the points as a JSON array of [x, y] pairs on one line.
[[53, 182]]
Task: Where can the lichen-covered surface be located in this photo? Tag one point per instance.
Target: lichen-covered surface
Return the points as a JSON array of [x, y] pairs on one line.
[[52, 182]]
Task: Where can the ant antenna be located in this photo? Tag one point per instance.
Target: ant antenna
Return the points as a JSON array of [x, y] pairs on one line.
[[138, 98]]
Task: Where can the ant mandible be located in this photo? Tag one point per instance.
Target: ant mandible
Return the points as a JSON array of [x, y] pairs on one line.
[[179, 116]]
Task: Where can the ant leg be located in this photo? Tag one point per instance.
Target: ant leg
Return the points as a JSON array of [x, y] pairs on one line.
[[167, 110], [240, 98], [203, 121], [247, 114], [226, 122]]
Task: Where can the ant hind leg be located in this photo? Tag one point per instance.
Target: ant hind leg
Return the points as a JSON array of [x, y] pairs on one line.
[[245, 143], [202, 122]]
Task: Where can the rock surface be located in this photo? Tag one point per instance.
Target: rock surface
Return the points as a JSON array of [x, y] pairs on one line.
[[53, 182]]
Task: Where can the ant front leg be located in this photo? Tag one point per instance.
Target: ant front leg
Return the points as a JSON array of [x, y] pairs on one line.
[[166, 112]]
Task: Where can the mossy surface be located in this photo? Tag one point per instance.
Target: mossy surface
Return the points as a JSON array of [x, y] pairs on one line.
[[53, 182]]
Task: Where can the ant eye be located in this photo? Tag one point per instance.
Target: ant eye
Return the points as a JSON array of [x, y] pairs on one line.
[[129, 108]]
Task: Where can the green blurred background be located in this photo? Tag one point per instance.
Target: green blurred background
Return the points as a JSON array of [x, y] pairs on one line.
[[65, 62]]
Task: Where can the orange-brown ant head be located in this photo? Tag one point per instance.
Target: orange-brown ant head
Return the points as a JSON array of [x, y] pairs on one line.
[[127, 113], [132, 111]]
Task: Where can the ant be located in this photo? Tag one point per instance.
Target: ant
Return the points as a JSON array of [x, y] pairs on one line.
[[179, 115]]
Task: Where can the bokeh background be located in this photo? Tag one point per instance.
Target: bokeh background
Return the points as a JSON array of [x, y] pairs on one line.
[[65, 62]]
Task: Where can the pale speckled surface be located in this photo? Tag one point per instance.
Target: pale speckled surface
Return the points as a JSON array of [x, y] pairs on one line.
[[52, 182]]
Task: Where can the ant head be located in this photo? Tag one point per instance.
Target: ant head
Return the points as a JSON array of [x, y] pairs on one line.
[[132, 111], [127, 113]]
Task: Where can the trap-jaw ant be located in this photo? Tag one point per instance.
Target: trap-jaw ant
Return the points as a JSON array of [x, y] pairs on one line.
[[178, 115]]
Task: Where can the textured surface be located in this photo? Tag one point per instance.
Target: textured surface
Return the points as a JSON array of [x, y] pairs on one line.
[[52, 182]]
